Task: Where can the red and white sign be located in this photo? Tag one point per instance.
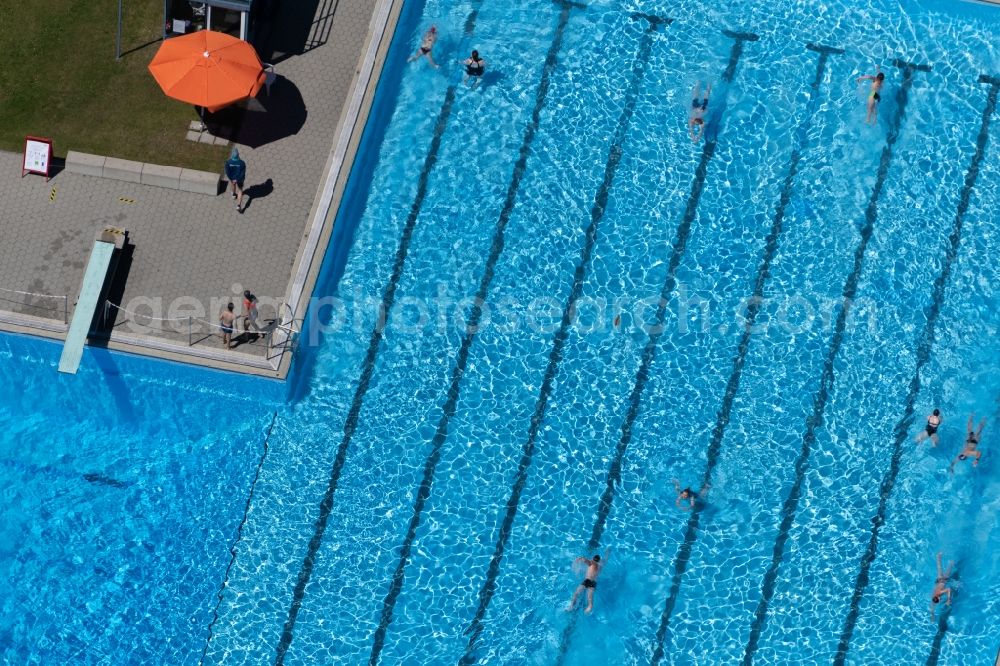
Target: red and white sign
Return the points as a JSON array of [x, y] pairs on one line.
[[37, 156]]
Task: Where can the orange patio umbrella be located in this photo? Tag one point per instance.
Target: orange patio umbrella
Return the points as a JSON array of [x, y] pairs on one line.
[[208, 69]]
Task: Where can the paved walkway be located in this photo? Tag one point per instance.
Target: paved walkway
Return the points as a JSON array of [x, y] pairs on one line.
[[192, 253]]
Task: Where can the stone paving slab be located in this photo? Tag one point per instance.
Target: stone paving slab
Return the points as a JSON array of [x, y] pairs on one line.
[[190, 253]]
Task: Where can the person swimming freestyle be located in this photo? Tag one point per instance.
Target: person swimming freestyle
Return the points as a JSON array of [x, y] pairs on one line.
[[699, 107], [589, 584], [874, 94]]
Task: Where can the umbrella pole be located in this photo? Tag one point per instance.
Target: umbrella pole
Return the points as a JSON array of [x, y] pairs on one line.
[[201, 114]]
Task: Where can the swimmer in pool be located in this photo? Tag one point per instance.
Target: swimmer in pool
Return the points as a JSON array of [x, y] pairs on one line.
[[971, 442], [696, 117], [941, 589], [874, 93], [426, 44], [685, 498], [930, 430], [589, 583], [474, 69]]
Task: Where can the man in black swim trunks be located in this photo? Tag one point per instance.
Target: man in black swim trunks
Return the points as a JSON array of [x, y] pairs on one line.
[[874, 93], [699, 106], [474, 68], [971, 442], [227, 322], [589, 583], [930, 430]]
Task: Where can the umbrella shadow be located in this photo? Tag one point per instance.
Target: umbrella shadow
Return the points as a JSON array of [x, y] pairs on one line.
[[271, 116]]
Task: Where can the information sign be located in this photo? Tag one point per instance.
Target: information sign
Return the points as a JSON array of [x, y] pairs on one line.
[[37, 156]]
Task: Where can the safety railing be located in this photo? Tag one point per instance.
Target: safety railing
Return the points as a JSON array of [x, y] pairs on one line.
[[280, 334], [56, 308], [285, 336]]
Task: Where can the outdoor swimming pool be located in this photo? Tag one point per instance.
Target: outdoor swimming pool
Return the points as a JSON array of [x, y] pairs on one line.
[[420, 496]]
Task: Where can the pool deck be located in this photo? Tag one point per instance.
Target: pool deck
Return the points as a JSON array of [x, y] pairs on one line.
[[188, 254]]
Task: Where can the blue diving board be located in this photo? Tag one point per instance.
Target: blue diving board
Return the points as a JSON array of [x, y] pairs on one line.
[[86, 305]]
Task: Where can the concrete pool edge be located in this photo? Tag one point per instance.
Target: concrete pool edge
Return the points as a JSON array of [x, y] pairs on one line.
[[337, 171], [305, 268]]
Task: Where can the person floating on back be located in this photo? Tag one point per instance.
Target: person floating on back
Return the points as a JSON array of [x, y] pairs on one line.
[[589, 583], [941, 589], [699, 106], [236, 172], [971, 442], [930, 430], [426, 44], [474, 68], [874, 93]]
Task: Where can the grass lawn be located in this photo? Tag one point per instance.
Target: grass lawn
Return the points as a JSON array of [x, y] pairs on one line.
[[60, 80]]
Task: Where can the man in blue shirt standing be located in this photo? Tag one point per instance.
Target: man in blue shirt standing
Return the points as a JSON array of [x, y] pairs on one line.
[[236, 172]]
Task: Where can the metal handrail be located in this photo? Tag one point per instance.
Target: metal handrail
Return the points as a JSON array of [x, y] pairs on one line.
[[287, 328]]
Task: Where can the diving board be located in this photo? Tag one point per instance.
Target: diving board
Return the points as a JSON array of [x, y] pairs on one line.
[[90, 293]]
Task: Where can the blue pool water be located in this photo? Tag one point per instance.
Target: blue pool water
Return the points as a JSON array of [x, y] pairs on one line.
[[417, 496]]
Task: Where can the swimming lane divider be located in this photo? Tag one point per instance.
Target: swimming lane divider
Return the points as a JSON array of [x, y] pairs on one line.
[[822, 395], [615, 153], [368, 365], [239, 537], [642, 375], [472, 326], [683, 557], [924, 345]]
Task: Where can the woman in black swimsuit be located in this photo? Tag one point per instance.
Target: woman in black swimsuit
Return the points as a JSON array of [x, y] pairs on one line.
[[474, 68], [930, 430]]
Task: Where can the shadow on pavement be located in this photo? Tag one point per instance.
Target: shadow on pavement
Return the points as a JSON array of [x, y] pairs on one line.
[[260, 190], [286, 29], [114, 291], [271, 116]]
